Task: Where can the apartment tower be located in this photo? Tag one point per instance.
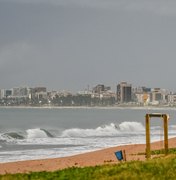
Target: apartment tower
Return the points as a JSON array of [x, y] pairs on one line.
[[124, 92]]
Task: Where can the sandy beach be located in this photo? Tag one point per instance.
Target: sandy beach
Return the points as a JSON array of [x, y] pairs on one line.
[[100, 157]]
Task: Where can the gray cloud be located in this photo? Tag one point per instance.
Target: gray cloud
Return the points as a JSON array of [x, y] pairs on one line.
[[161, 7], [70, 44]]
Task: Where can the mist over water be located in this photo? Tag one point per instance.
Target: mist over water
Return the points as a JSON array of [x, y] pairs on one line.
[[45, 133]]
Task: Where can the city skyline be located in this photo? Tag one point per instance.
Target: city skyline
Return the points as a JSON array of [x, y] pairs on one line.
[[90, 88], [100, 95], [72, 44]]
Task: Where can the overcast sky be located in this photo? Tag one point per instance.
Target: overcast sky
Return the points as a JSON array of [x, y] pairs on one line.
[[70, 44]]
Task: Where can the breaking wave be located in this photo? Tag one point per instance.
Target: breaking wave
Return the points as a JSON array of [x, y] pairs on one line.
[[105, 130], [123, 129], [38, 133], [28, 134], [10, 137], [13, 135], [131, 127]]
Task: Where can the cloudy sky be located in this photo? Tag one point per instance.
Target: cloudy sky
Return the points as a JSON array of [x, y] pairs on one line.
[[70, 44]]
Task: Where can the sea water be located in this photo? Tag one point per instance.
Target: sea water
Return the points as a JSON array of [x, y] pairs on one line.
[[35, 133]]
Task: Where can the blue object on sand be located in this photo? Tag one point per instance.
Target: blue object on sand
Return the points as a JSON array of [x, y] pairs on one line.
[[119, 155]]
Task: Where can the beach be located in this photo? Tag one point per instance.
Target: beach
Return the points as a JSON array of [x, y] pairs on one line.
[[53, 139], [100, 157]]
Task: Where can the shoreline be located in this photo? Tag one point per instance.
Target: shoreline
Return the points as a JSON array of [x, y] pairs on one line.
[[94, 158], [92, 107]]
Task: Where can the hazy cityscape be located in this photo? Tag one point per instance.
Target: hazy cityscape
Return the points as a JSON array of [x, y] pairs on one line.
[[79, 82], [99, 95]]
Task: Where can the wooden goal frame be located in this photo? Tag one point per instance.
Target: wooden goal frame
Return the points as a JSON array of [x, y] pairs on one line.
[[165, 118]]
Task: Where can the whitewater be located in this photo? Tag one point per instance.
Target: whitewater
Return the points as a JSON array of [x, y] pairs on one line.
[[27, 133]]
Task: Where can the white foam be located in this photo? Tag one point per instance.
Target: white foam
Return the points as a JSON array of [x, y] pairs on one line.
[[106, 130], [131, 127], [36, 133], [6, 138]]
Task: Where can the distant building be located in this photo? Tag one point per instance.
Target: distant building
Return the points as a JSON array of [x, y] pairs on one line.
[[172, 98], [38, 93], [141, 90], [39, 89], [124, 92], [5, 93], [2, 93], [18, 92], [159, 96], [84, 92], [101, 88], [156, 95], [143, 98], [141, 95], [41, 95]]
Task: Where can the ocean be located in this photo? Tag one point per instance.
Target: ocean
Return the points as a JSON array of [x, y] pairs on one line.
[[37, 133]]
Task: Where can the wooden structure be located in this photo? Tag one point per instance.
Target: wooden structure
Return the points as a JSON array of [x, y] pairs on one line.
[[165, 118]]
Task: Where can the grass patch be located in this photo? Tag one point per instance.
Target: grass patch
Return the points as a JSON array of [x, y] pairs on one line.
[[159, 151], [161, 168], [162, 151]]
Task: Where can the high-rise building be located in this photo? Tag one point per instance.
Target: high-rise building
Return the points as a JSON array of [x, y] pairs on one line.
[[124, 92], [4, 93]]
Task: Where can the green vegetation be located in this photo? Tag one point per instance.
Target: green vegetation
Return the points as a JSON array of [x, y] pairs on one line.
[[160, 151], [160, 168]]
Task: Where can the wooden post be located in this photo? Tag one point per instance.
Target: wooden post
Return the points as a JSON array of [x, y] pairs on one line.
[[124, 155], [165, 118], [147, 136]]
